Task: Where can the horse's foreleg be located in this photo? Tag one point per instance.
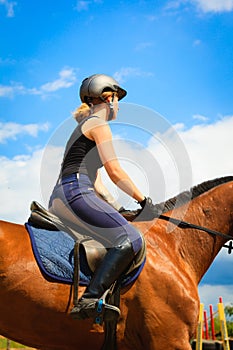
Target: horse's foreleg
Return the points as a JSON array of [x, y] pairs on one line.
[[156, 332], [158, 319]]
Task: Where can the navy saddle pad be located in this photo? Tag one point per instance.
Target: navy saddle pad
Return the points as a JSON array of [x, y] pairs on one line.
[[54, 253]]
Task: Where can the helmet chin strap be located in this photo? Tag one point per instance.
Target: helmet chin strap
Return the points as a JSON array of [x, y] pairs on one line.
[[111, 107]]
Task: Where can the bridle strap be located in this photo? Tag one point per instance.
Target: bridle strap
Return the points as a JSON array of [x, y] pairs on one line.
[[184, 225]]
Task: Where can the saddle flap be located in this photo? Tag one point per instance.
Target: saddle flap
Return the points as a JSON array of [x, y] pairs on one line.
[[95, 253], [94, 250]]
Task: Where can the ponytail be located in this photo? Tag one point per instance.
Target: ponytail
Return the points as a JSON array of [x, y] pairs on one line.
[[85, 110], [82, 112]]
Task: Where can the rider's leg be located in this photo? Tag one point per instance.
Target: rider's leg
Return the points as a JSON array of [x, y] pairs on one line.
[[105, 224], [115, 263]]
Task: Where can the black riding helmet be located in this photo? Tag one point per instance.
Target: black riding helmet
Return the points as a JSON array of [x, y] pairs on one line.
[[96, 84]]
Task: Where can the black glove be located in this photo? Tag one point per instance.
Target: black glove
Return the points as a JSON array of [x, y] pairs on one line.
[[149, 210]]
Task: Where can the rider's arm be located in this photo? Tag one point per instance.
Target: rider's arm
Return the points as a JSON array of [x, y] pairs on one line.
[[101, 133], [104, 192]]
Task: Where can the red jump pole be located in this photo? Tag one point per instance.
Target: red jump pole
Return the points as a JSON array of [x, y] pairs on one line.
[[206, 325], [212, 322]]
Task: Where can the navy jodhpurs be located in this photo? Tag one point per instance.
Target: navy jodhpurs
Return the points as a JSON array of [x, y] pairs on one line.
[[104, 223]]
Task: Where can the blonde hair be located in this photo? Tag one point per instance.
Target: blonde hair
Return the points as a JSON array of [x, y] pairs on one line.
[[85, 110]]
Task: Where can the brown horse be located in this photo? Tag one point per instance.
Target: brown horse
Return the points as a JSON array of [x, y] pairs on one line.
[[159, 311]]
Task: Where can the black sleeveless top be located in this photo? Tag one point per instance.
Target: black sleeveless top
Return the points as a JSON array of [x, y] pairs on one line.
[[81, 155]]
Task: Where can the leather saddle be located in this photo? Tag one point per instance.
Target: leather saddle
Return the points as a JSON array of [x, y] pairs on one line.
[[95, 251]]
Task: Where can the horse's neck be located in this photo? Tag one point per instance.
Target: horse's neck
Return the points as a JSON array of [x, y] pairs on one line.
[[213, 210]]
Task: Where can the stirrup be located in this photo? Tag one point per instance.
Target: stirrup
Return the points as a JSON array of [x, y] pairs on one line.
[[106, 312], [97, 309], [86, 308]]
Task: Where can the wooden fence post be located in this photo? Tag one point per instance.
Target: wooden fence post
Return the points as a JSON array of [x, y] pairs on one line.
[[200, 328], [223, 325]]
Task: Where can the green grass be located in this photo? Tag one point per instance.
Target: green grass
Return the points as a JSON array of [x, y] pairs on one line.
[[3, 344]]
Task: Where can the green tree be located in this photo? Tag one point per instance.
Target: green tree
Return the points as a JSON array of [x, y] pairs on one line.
[[229, 319], [229, 310]]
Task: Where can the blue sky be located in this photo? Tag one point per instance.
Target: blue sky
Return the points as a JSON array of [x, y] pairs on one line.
[[174, 57]]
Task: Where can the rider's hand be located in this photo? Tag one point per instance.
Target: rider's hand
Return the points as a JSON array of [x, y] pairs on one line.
[[149, 210]]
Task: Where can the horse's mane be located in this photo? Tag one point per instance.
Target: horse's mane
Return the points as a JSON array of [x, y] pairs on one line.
[[194, 192]]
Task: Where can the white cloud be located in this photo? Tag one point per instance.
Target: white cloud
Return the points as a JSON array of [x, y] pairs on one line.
[[214, 5], [24, 179], [83, 5], [205, 6], [200, 117], [209, 294], [67, 78], [16, 88], [209, 148], [49, 170], [174, 4], [126, 72], [6, 91], [19, 185], [9, 7], [12, 130]]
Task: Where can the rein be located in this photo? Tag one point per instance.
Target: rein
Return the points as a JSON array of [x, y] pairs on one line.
[[185, 225]]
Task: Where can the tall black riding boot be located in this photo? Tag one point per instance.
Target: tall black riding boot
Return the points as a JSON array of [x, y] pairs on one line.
[[114, 264]]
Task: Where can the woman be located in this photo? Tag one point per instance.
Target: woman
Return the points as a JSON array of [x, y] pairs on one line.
[[88, 149]]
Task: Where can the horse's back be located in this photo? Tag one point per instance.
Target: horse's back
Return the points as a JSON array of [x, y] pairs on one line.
[[13, 239], [11, 228]]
